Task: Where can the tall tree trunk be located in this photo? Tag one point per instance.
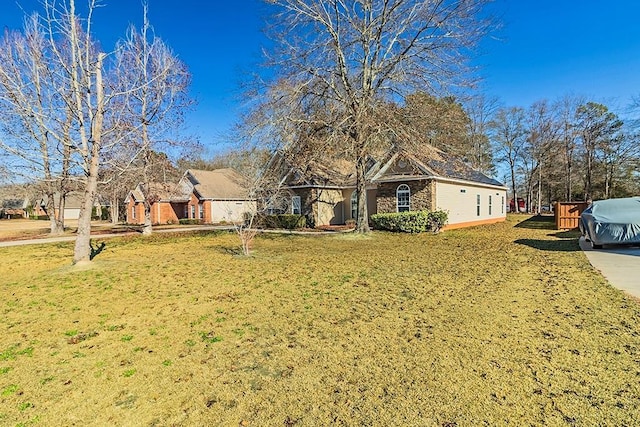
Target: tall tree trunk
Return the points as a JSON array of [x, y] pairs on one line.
[[569, 182], [114, 208], [539, 188], [54, 222], [62, 202], [362, 225], [82, 250], [147, 229], [516, 206]]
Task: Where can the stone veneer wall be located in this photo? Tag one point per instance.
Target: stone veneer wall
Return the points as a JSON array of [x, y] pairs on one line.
[[422, 195], [307, 199]]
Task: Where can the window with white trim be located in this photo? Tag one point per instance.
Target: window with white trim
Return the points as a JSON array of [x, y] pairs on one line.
[[186, 211], [403, 198], [478, 205], [296, 205], [201, 211], [193, 212], [133, 212], [354, 205]]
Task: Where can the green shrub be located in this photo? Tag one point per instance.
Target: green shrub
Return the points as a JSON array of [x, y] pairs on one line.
[[410, 222], [40, 217], [286, 221], [188, 221], [437, 220]]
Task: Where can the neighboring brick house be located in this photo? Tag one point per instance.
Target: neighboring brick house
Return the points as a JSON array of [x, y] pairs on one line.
[[162, 211], [208, 196], [399, 181], [14, 208]]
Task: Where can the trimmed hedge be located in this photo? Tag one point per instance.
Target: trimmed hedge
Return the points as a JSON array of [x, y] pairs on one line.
[[187, 221], [285, 221], [410, 222]]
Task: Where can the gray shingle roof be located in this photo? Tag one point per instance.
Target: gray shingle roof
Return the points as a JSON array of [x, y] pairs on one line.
[[220, 184], [430, 162]]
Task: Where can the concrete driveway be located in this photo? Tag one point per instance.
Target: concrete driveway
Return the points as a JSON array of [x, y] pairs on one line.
[[620, 265]]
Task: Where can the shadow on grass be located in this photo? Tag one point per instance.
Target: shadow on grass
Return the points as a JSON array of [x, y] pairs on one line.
[[551, 245], [538, 222], [228, 250], [567, 234], [95, 251]]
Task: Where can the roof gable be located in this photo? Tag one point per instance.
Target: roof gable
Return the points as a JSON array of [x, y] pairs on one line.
[[429, 162], [397, 164], [221, 184]]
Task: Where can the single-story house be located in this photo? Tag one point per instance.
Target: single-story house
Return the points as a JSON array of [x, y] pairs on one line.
[[209, 196], [400, 181], [72, 203], [14, 208], [162, 210]]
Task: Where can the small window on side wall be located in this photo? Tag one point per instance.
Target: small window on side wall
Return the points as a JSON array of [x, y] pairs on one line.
[[403, 198], [296, 205], [478, 205], [354, 205]]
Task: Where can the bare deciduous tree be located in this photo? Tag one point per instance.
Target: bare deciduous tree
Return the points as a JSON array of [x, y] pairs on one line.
[[96, 103], [348, 58], [566, 110], [509, 137], [155, 82], [542, 136], [36, 120], [480, 110]]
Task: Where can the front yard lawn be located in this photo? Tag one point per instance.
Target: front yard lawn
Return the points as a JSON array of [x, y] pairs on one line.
[[495, 325]]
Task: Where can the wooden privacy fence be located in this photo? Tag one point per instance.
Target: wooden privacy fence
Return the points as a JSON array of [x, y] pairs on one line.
[[568, 214]]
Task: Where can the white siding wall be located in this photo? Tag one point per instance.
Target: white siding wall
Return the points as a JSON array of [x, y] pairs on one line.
[[71, 213], [461, 202], [230, 210]]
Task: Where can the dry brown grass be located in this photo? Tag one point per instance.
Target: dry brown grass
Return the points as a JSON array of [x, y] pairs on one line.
[[487, 326]]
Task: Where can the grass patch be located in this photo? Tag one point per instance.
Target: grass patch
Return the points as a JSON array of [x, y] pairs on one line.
[[493, 325], [12, 352]]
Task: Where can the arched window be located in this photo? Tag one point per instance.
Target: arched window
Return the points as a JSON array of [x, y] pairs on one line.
[[403, 198], [354, 204]]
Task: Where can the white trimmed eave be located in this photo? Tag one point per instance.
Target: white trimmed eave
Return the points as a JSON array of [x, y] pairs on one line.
[[328, 187], [473, 183], [398, 178], [229, 199]]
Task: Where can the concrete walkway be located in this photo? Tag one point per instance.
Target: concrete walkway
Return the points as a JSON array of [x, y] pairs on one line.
[[620, 265], [46, 240]]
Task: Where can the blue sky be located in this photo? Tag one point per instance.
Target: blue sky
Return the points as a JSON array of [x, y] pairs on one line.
[[547, 48]]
